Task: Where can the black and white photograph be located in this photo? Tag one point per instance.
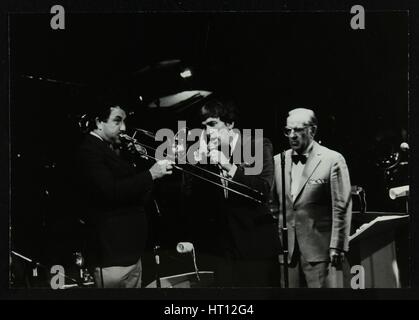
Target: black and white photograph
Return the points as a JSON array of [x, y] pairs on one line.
[[255, 150]]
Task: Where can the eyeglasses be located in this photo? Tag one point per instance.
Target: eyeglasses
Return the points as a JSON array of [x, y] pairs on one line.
[[297, 130]]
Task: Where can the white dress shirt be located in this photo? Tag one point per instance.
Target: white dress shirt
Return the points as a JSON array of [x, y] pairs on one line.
[[297, 172]]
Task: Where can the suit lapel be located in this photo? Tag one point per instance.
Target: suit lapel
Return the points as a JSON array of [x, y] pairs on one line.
[[311, 165], [108, 150]]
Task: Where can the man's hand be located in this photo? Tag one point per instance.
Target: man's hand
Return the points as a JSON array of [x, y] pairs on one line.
[[217, 157], [161, 168], [199, 155], [336, 257]]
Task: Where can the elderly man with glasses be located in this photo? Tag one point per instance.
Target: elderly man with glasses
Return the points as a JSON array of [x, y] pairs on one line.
[[318, 204]]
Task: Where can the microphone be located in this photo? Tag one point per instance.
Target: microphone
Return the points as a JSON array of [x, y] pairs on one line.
[[186, 247], [404, 146]]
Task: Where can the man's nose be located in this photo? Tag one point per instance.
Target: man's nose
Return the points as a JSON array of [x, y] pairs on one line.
[[123, 126], [292, 135]]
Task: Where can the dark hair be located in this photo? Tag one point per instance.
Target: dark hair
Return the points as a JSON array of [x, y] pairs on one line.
[[224, 109], [101, 111]]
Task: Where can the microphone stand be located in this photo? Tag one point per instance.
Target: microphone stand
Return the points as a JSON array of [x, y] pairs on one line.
[[284, 226], [157, 260], [157, 247]]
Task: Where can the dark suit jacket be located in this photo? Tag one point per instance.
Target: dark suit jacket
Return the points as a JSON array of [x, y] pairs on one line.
[[113, 196], [238, 225], [320, 215]]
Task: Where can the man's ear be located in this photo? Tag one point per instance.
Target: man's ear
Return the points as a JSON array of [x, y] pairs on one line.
[[99, 123], [230, 125], [313, 130]]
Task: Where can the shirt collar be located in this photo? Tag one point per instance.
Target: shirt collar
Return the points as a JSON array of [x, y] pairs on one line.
[[234, 141], [96, 135]]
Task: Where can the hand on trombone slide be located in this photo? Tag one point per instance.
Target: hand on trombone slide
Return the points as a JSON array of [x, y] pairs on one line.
[[161, 168]]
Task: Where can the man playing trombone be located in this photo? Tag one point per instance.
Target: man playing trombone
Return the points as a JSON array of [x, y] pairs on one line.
[[239, 230], [113, 196]]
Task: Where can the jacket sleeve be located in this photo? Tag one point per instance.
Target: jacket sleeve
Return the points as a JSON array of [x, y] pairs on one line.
[[341, 204], [262, 182], [102, 182]]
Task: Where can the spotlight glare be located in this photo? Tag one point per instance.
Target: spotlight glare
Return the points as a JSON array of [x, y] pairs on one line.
[[186, 73]]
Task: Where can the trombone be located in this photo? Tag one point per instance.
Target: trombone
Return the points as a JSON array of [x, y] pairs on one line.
[[141, 148]]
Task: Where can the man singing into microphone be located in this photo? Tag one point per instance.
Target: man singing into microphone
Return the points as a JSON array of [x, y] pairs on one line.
[[318, 203], [239, 232], [113, 197]]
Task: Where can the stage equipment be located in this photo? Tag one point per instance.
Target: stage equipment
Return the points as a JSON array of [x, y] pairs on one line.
[[180, 99], [373, 246], [284, 226], [186, 280], [186, 247], [359, 193], [168, 84], [398, 192], [157, 262], [396, 167]]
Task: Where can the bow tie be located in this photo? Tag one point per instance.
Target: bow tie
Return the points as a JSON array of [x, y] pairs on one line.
[[299, 158]]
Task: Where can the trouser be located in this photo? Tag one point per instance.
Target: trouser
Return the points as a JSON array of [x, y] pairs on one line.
[[302, 273], [119, 277]]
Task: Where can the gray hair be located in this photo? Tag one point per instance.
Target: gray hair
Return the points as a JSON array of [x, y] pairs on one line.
[[307, 112]]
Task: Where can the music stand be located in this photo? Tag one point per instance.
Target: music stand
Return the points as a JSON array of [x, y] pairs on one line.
[[376, 250], [186, 280]]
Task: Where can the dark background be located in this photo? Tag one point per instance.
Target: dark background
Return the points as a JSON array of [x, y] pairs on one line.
[[356, 81]]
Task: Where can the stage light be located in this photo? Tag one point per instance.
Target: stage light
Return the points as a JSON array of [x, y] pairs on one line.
[[187, 73], [180, 97]]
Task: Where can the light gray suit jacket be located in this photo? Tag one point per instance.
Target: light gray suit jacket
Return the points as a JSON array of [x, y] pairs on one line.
[[320, 215]]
